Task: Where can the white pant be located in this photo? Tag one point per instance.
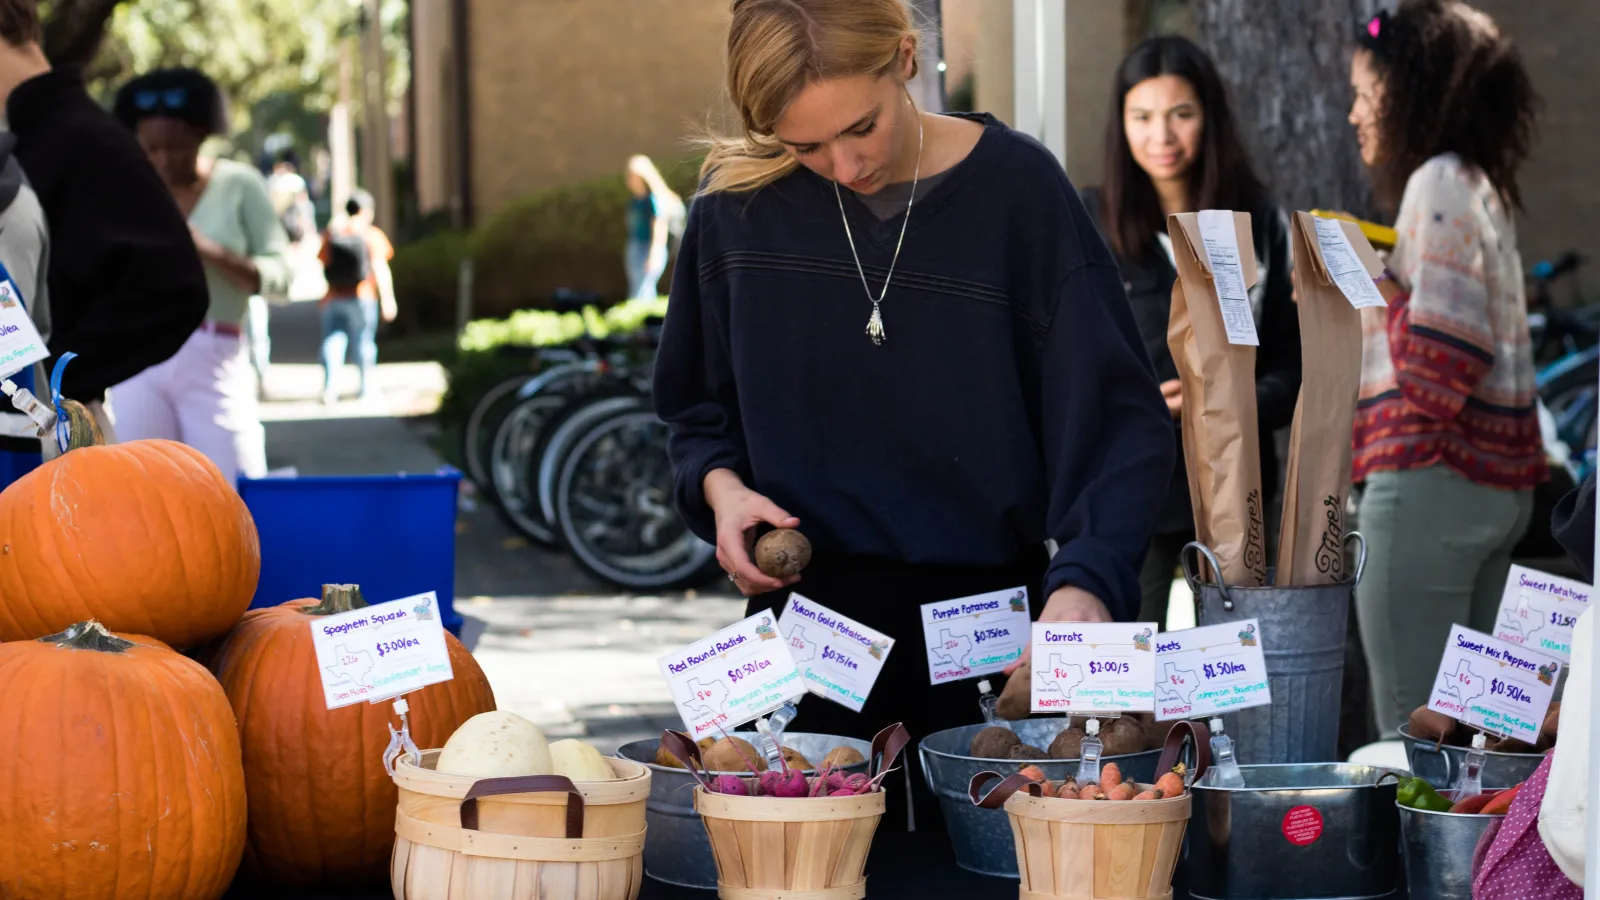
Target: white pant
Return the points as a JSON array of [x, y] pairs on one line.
[[204, 396]]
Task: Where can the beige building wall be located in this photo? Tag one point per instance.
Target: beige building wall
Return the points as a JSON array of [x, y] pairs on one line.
[[564, 90]]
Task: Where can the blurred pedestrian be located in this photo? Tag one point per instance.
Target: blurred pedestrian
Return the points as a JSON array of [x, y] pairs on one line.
[[355, 259], [654, 212], [126, 288], [1171, 147], [1446, 438], [205, 395]]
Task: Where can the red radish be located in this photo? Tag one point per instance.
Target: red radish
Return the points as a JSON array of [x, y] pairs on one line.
[[858, 783], [788, 783], [843, 792], [730, 784]]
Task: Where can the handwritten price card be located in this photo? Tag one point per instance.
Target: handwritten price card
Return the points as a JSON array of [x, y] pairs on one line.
[[735, 676], [380, 651], [838, 657], [973, 636], [1087, 667], [1537, 611], [1210, 670], [1492, 685]]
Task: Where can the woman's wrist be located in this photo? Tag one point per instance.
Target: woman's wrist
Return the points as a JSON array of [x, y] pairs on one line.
[[718, 483]]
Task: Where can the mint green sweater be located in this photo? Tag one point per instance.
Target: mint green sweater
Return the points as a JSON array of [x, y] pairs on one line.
[[236, 212]]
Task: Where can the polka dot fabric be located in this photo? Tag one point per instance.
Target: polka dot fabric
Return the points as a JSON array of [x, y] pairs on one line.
[[1511, 862]]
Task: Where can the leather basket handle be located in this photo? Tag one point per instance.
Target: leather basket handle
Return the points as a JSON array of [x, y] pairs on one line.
[[888, 743], [1000, 793], [1181, 732], [688, 752], [525, 784]]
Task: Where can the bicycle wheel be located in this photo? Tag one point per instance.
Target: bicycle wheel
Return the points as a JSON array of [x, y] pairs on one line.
[[477, 433], [614, 506], [559, 436], [517, 440]]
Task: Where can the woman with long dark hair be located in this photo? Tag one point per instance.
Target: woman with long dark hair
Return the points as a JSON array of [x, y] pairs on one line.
[[1447, 438], [1171, 147]]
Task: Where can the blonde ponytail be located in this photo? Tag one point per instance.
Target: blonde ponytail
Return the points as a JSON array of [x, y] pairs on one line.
[[776, 48]]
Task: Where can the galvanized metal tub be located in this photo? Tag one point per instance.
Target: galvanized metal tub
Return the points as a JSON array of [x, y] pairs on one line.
[[1438, 848], [676, 849], [1303, 632], [1296, 832], [1441, 765], [982, 838]]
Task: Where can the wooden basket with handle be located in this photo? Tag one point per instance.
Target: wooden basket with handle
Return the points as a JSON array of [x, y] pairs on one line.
[[801, 848], [538, 837], [1097, 849]]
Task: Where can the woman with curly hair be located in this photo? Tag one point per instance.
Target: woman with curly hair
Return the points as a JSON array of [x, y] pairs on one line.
[[1447, 438]]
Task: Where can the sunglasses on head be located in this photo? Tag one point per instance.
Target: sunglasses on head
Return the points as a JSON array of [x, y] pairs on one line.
[[171, 98]]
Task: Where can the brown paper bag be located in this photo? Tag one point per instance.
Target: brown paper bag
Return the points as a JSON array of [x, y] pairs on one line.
[[1220, 442], [1311, 541]]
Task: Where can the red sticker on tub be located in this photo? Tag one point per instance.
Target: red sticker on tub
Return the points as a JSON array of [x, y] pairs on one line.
[[1302, 825]]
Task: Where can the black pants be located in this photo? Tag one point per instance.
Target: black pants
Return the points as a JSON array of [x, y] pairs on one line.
[[887, 596]]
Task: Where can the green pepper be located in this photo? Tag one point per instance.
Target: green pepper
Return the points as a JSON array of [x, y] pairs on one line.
[[1407, 794], [1419, 794]]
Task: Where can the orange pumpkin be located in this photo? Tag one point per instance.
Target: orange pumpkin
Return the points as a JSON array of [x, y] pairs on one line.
[[321, 805], [146, 537], [122, 774]]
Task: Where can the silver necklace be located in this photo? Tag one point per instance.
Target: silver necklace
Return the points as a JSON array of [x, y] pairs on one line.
[[875, 324]]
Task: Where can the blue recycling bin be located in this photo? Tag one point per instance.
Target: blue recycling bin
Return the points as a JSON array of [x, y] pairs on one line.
[[394, 535]]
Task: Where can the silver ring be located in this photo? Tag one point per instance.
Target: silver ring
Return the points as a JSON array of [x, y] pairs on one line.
[[733, 577]]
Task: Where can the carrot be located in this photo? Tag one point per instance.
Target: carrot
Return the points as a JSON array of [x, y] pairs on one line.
[[1092, 792], [1050, 789], [1501, 804], [1110, 775], [1033, 773], [1474, 804], [1123, 791], [1170, 784], [1147, 795]]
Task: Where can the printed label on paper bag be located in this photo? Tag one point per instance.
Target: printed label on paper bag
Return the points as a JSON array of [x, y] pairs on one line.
[[380, 651], [1221, 241], [1345, 267], [20, 343], [1210, 670], [1492, 685], [1538, 611], [838, 657], [1088, 667], [973, 636], [735, 676]]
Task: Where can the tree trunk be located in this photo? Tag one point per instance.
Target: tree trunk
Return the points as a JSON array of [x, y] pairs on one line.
[[74, 28], [1286, 65]]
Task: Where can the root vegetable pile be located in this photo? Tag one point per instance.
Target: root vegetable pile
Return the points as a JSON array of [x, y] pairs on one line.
[[789, 782], [1109, 786]]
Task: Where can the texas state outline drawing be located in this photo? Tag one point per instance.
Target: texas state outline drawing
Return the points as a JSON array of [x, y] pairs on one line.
[[801, 649], [342, 671], [1065, 686], [959, 655], [700, 706], [1165, 689], [1476, 685]]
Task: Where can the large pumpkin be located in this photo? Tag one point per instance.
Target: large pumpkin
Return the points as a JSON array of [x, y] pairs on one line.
[[120, 761], [146, 537], [321, 805]]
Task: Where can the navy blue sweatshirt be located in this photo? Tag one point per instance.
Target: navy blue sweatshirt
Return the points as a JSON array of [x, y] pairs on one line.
[[1011, 402]]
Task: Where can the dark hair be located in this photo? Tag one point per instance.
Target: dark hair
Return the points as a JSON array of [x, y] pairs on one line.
[[1452, 83], [359, 201], [19, 22], [1221, 177], [184, 94]]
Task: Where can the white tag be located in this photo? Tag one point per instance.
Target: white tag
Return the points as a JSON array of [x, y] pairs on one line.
[[838, 657], [1345, 267], [737, 675], [1088, 667], [978, 635], [20, 343], [1210, 670], [380, 651], [1221, 241], [1498, 687], [1538, 611]]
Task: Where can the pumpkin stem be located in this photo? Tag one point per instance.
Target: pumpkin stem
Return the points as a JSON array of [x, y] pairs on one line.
[[337, 598], [90, 635], [82, 429]]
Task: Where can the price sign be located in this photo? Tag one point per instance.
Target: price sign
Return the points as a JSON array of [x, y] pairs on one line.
[[20, 343], [1499, 687], [838, 657], [380, 651], [735, 676], [1211, 670], [1084, 667], [1538, 611], [974, 636]]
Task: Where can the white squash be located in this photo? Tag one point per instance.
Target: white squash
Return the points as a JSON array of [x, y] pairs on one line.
[[580, 762], [496, 744]]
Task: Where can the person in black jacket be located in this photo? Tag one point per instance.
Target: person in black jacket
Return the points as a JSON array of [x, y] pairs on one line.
[[125, 281], [1171, 147]]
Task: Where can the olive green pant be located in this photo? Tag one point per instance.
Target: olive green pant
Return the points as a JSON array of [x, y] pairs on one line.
[[1438, 551]]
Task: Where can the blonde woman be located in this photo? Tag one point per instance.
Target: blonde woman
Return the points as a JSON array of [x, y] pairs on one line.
[[653, 209], [901, 333]]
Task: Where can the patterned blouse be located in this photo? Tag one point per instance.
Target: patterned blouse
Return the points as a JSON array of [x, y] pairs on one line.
[[1447, 370]]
